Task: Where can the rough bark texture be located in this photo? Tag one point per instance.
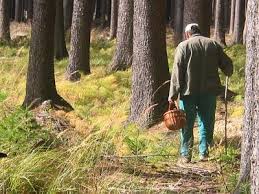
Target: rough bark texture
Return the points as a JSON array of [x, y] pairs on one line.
[[198, 11], [60, 44], [232, 16], [4, 20], [250, 143], [124, 46], [68, 12], [178, 22], [219, 34], [79, 59], [40, 77], [150, 66], [114, 18], [239, 22]]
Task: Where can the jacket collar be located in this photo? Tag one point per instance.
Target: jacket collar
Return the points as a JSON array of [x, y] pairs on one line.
[[198, 34]]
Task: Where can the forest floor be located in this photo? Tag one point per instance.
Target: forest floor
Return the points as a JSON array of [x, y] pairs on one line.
[[93, 149]]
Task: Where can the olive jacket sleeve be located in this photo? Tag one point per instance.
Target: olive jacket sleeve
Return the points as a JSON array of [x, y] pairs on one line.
[[178, 72]]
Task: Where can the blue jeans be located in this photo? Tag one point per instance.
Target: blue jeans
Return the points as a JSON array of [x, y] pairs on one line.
[[204, 107]]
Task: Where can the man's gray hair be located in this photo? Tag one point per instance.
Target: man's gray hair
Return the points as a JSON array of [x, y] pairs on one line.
[[188, 28]]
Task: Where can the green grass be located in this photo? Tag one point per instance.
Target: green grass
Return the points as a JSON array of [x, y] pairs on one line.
[[101, 102]]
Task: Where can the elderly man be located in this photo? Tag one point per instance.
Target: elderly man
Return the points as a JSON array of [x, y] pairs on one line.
[[195, 80]]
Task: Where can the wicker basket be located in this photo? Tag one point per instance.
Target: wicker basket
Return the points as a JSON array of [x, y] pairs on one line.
[[174, 118]]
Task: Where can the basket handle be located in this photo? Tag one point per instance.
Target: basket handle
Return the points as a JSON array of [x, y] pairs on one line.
[[172, 105]]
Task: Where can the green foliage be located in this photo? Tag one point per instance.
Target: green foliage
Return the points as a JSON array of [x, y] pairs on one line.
[[3, 96], [19, 133], [237, 81]]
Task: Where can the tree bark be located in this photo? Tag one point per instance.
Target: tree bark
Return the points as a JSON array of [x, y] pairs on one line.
[[198, 11], [124, 45], [114, 18], [150, 66], [4, 20], [249, 168], [178, 22], [29, 9], [18, 10], [60, 44], [226, 14], [79, 59], [239, 22], [172, 13], [68, 13], [40, 77], [232, 16], [219, 34]]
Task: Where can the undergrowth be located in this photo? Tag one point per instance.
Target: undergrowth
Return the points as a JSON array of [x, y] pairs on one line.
[[39, 161]]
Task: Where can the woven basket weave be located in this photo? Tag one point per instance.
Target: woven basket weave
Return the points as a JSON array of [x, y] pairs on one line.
[[174, 118]]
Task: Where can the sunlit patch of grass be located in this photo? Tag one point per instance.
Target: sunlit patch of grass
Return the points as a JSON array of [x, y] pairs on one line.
[[237, 80]]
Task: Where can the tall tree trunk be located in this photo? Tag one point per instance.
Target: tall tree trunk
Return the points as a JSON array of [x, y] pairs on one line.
[[97, 12], [40, 77], [219, 34], [68, 13], [239, 22], [60, 44], [108, 12], [149, 67], [249, 168], [172, 13], [114, 18], [29, 9], [226, 14], [178, 22], [18, 10], [4, 20], [124, 47], [198, 11], [213, 10], [79, 59], [103, 4], [232, 16]]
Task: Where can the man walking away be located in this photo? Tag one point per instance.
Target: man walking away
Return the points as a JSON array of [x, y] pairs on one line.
[[195, 79]]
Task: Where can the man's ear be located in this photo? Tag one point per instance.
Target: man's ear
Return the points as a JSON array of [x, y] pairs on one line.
[[186, 35]]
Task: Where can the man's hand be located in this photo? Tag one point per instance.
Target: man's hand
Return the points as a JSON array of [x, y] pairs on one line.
[[172, 104]]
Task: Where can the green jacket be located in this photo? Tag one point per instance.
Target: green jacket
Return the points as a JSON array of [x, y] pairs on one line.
[[195, 69]]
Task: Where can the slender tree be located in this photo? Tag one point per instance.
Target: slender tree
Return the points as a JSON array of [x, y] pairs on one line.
[[219, 34], [79, 59], [18, 10], [239, 22], [4, 20], [68, 12], [172, 13], [124, 42], [232, 16], [40, 77], [250, 138], [198, 11], [226, 14], [60, 44], [29, 9], [149, 67], [114, 18], [178, 22]]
